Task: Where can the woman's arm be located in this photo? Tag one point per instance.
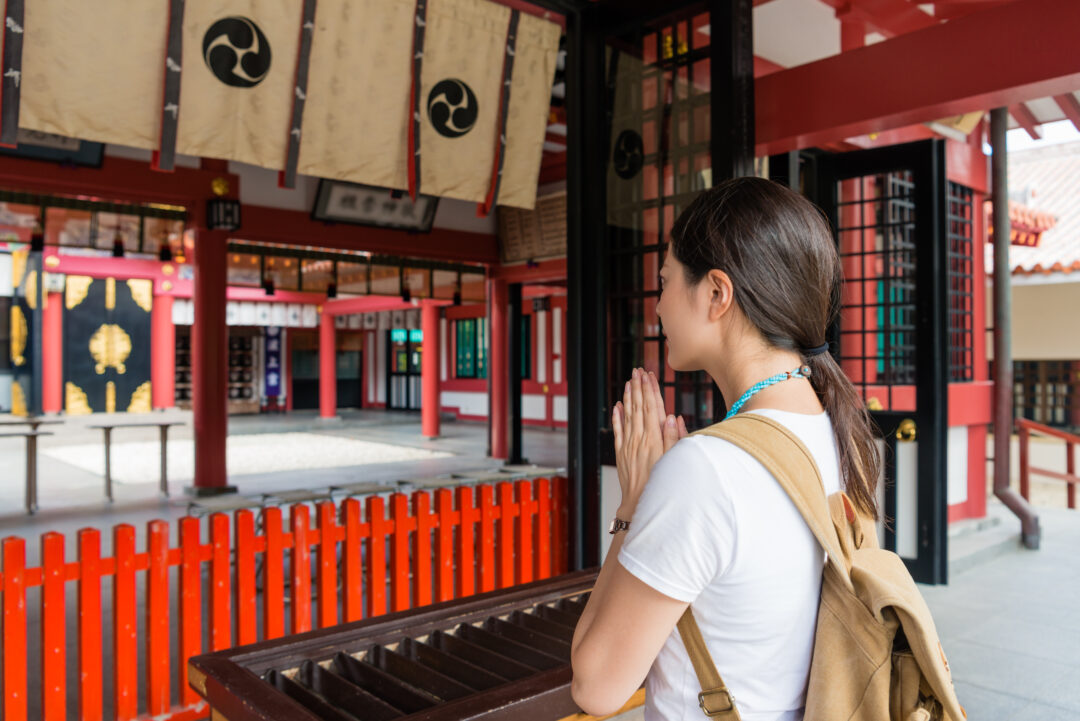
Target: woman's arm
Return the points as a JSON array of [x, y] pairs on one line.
[[623, 628], [626, 621]]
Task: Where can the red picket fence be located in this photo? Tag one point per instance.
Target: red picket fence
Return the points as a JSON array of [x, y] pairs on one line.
[[492, 537]]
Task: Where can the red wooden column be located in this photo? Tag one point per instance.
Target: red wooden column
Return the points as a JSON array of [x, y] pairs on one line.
[[209, 364], [327, 367], [162, 353], [429, 370], [52, 353], [498, 366]]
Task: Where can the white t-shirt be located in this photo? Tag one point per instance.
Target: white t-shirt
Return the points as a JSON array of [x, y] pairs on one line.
[[715, 529]]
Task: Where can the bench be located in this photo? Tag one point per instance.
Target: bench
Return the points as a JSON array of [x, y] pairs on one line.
[[163, 427]]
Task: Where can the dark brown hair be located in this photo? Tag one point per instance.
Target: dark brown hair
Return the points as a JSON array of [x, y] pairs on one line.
[[776, 247]]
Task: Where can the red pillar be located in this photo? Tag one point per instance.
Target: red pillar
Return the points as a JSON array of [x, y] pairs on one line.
[[327, 367], [498, 367], [429, 370], [52, 353], [162, 353], [210, 364]]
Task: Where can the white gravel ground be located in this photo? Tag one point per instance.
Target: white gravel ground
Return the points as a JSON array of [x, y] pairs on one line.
[[140, 462]]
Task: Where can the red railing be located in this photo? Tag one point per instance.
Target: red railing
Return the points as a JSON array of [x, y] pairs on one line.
[[491, 537], [1025, 429]]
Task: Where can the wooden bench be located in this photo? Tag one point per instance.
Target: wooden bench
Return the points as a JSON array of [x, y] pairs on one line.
[[31, 463], [163, 427]]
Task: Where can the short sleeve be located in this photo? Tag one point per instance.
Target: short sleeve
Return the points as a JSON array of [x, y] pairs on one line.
[[682, 534]]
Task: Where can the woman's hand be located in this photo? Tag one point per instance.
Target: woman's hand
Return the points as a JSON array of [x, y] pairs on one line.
[[643, 433]]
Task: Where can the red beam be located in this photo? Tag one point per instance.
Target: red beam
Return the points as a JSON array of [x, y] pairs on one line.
[[920, 76], [372, 304], [1026, 120], [117, 179], [293, 227], [546, 271], [1068, 104]]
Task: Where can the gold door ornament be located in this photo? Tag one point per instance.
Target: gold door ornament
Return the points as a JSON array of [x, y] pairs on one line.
[[18, 400], [140, 399], [18, 266], [18, 335], [142, 292], [75, 401], [110, 346], [31, 289], [75, 290]]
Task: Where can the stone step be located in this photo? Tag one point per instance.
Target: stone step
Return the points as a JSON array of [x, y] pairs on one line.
[[979, 540]]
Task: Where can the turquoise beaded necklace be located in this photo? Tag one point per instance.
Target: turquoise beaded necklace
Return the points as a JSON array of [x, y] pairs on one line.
[[800, 372]]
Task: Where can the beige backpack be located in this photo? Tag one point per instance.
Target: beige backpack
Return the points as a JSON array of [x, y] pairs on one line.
[[876, 652]]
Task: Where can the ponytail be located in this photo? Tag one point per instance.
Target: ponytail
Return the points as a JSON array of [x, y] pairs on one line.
[[860, 462]]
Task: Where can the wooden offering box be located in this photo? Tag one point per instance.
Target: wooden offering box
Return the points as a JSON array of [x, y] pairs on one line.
[[495, 656]]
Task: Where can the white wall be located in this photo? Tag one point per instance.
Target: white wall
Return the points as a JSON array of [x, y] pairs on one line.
[[1045, 321]]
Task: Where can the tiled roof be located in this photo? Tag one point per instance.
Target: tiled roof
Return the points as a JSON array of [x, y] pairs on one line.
[[1048, 181]]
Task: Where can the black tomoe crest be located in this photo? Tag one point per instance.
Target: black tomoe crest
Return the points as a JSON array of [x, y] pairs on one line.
[[237, 52], [452, 108], [628, 155]]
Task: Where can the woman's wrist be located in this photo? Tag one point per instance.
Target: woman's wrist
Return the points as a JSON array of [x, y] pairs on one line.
[[625, 510]]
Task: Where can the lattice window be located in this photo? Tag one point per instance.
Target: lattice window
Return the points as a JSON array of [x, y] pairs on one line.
[[1047, 392], [959, 236], [659, 160], [876, 234], [469, 336]]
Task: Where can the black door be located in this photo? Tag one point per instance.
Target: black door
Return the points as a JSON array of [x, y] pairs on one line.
[[350, 379], [305, 380], [106, 345], [888, 209]]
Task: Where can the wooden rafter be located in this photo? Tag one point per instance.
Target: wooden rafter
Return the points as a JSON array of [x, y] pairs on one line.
[[1069, 105], [1025, 119], [888, 17]]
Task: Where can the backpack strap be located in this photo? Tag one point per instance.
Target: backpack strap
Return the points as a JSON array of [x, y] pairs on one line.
[[793, 466], [715, 699]]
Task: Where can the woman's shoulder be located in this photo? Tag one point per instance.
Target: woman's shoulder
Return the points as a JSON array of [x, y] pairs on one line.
[[699, 460]]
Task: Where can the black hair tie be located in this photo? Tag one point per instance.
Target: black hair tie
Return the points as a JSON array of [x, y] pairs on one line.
[[823, 348]]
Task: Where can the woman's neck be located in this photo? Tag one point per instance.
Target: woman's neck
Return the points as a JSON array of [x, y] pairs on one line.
[[737, 373]]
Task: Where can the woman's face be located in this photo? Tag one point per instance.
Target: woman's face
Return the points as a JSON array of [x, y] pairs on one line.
[[684, 316]]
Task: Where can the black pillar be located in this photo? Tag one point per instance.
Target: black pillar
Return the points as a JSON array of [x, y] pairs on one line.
[[784, 169], [515, 454], [731, 45], [586, 168]]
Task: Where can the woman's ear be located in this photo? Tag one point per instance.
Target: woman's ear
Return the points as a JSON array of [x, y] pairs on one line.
[[721, 293]]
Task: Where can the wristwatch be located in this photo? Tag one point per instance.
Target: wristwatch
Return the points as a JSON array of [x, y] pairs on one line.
[[618, 524]]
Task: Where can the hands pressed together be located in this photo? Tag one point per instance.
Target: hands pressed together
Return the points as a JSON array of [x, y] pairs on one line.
[[643, 433]]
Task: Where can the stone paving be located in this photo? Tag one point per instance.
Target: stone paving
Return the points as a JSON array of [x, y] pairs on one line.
[[359, 447], [136, 461], [1011, 626]]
